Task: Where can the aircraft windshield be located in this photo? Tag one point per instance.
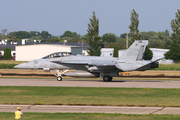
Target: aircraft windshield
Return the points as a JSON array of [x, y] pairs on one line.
[[57, 54]]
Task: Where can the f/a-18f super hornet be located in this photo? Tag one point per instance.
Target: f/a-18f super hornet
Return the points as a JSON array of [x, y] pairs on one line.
[[94, 66]]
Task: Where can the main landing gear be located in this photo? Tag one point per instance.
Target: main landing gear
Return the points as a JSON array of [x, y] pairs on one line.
[[107, 78], [59, 73]]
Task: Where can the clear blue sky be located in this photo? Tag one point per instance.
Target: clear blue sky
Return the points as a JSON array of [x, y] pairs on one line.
[[57, 16]]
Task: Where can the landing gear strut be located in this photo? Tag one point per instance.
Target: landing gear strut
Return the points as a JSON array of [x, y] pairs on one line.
[[59, 74], [107, 78]]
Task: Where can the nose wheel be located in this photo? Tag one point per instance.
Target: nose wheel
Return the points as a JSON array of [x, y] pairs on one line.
[[59, 78], [59, 73]]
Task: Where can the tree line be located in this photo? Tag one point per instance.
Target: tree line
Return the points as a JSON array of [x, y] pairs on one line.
[[156, 39]]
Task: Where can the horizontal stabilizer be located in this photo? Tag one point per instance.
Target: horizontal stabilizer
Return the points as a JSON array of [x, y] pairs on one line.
[[137, 65]]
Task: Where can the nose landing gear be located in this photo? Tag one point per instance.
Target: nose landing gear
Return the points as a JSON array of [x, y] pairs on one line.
[[59, 78], [59, 73]]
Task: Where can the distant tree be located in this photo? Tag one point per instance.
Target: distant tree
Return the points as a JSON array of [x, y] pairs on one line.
[[109, 37], [45, 35], [174, 52], [7, 54], [120, 42], [175, 26], [56, 39], [157, 39], [75, 35], [147, 35], [167, 39], [34, 38], [84, 38], [109, 45], [12, 38], [116, 50], [4, 31], [34, 33], [20, 34], [155, 43], [67, 34], [124, 35], [148, 54], [134, 32], [70, 34], [53, 39], [94, 39]]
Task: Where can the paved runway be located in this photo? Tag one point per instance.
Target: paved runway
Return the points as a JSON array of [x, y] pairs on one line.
[[90, 83], [90, 109]]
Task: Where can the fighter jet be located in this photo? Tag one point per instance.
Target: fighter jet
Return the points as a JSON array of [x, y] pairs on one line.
[[94, 66]]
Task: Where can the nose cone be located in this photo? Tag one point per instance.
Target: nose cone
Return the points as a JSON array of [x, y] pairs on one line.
[[21, 66]]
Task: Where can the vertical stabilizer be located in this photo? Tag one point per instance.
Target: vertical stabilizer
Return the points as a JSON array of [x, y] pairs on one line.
[[135, 51]]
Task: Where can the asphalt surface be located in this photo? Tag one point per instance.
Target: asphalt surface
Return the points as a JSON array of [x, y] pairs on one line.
[[90, 109], [90, 83]]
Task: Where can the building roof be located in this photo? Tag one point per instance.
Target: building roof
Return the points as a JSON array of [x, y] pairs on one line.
[[12, 45]]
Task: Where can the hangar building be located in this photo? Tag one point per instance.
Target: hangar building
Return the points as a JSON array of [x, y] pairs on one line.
[[37, 51]]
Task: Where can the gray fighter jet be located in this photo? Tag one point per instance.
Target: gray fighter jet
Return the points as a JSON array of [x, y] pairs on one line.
[[94, 66]]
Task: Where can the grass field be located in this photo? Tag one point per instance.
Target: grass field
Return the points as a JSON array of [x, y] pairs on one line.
[[8, 64], [168, 67], [87, 116], [89, 96]]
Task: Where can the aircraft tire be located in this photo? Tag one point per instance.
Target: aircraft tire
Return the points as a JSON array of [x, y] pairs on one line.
[[106, 78], [110, 78], [59, 78]]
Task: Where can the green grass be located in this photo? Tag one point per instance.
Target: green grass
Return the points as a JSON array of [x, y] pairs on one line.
[[168, 67], [87, 116], [89, 96], [7, 66]]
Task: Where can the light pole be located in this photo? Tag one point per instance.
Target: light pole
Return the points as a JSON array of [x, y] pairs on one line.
[[127, 41]]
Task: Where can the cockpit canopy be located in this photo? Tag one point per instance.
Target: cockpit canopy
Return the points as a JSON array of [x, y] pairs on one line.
[[57, 54]]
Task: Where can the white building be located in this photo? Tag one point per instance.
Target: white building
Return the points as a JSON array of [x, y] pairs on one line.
[[37, 51], [34, 50]]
